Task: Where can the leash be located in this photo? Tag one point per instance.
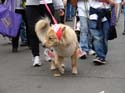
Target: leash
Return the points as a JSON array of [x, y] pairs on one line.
[[55, 27], [48, 9]]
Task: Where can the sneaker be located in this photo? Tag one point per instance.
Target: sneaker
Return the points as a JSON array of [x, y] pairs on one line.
[[99, 61], [81, 54], [37, 61], [91, 52], [123, 33], [84, 56]]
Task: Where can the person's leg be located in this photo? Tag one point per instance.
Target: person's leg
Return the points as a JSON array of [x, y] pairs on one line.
[[26, 25], [118, 11], [68, 11], [33, 14], [105, 33], [23, 34], [124, 19], [100, 40], [73, 11], [90, 44], [15, 41], [84, 35]]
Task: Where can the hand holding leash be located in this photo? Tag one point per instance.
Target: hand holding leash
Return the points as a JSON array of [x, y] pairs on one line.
[[61, 12]]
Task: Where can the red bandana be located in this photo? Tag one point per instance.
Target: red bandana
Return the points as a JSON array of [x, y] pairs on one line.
[[58, 31]]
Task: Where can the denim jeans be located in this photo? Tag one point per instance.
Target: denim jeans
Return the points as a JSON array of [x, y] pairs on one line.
[[100, 38], [84, 34], [124, 16], [23, 32], [118, 11], [68, 10]]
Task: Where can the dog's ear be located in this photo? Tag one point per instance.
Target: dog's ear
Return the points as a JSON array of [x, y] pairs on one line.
[[42, 25], [41, 28], [63, 29]]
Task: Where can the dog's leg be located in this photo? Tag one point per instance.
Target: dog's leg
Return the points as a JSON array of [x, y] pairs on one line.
[[61, 62], [58, 60], [52, 65], [59, 69], [57, 73], [74, 63]]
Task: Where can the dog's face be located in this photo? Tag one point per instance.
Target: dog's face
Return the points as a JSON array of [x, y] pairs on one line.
[[51, 39]]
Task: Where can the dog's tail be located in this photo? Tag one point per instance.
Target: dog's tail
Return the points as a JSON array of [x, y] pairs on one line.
[[41, 28]]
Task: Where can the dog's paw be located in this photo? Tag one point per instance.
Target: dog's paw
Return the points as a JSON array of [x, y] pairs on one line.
[[57, 73], [63, 66], [61, 70], [74, 71], [52, 67]]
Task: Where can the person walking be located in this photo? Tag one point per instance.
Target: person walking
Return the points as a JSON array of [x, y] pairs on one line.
[[123, 4], [35, 9], [15, 40], [118, 8], [83, 14], [99, 27]]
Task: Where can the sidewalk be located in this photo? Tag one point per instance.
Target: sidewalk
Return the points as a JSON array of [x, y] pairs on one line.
[[17, 75]]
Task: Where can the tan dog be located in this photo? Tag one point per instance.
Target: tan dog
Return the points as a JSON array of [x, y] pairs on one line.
[[64, 46]]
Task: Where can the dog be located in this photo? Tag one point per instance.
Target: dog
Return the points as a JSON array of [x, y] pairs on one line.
[[62, 38]]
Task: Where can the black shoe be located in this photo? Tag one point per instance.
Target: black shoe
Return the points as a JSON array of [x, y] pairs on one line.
[[14, 50], [99, 61], [24, 44], [83, 57], [123, 33]]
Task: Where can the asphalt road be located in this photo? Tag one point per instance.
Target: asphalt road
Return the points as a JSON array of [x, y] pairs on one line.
[[17, 75]]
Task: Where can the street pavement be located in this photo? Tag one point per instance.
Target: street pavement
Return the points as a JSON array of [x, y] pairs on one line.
[[17, 75]]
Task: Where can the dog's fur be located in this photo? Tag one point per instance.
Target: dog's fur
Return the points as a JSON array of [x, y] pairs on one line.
[[66, 47]]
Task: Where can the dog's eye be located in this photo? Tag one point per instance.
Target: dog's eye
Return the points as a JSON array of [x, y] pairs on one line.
[[50, 38]]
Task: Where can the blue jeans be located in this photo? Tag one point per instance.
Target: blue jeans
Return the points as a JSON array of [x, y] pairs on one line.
[[100, 38], [84, 34], [23, 32], [124, 16], [68, 10]]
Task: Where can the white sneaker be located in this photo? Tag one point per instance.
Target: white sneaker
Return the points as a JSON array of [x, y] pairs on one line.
[[91, 52], [37, 61], [80, 53]]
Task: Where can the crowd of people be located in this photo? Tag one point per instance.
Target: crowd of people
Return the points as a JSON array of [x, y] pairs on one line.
[[93, 18]]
